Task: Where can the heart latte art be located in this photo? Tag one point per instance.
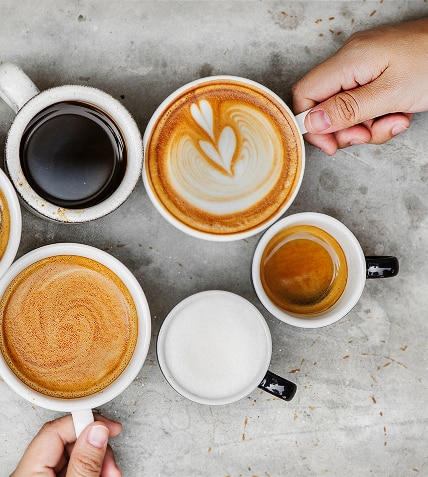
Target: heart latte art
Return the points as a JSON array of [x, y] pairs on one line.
[[223, 157]]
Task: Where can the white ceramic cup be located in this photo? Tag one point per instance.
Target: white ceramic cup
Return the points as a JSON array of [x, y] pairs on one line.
[[21, 94], [15, 223], [360, 267], [238, 143], [215, 348], [81, 408]]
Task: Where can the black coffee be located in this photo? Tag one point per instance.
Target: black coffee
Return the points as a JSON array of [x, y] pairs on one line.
[[73, 155]]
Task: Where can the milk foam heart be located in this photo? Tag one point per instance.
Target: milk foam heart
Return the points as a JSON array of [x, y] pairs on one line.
[[223, 157]]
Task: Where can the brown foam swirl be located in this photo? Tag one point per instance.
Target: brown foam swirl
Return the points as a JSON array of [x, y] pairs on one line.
[[69, 326], [224, 158]]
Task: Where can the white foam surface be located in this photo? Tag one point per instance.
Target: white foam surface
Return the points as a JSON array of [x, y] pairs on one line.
[[214, 347]]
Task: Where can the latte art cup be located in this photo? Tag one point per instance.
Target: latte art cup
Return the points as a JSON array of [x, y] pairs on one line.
[[223, 158], [358, 268], [81, 408], [101, 190], [215, 348]]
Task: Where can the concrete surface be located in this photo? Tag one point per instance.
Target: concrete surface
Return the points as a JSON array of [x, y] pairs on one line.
[[361, 406]]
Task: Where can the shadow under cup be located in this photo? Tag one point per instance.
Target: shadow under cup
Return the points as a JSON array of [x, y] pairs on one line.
[[85, 323], [309, 270], [223, 158]]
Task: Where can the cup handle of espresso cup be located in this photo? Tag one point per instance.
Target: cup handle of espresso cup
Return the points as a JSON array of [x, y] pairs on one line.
[[81, 419], [381, 267], [278, 386], [16, 88], [300, 120]]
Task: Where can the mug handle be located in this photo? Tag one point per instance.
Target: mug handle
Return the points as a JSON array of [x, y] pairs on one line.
[[16, 88], [278, 386], [300, 120], [81, 419], [381, 267]]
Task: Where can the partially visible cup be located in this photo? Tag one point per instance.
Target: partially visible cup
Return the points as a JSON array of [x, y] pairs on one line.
[[309, 270], [73, 153], [215, 348], [223, 158], [75, 328], [10, 223]]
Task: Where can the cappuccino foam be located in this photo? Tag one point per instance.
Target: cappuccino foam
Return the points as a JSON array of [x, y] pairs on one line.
[[223, 157], [68, 326], [4, 224]]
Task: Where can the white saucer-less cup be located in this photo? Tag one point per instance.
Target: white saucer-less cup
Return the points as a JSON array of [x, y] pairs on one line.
[[225, 174], [360, 268], [23, 96], [81, 408], [215, 348]]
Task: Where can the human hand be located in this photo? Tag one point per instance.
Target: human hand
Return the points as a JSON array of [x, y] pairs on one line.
[[368, 91], [55, 452]]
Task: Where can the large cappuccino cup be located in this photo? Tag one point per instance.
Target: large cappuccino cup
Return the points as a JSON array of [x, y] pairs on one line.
[[73, 153], [75, 328], [223, 158]]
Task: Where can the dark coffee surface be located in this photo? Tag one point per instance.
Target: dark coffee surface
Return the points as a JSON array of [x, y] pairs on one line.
[[73, 155]]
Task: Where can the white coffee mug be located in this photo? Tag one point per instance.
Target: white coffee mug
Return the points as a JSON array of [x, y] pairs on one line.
[[15, 225], [21, 94], [81, 408], [215, 348], [359, 268], [226, 166]]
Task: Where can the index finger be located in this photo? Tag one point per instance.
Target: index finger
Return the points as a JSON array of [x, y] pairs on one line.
[[346, 70]]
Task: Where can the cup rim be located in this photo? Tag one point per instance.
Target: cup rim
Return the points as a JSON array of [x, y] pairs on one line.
[[186, 228], [354, 256], [118, 113], [181, 388], [144, 329], [15, 223]]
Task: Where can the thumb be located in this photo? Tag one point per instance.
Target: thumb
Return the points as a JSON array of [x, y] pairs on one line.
[[87, 457], [349, 108]]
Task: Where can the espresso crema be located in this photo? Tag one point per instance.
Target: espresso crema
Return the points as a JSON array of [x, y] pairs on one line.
[[68, 326], [4, 224], [304, 270], [224, 157]]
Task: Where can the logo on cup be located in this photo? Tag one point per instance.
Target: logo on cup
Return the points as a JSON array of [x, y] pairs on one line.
[[224, 158]]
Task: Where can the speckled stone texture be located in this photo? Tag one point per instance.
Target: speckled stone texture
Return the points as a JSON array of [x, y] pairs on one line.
[[361, 405]]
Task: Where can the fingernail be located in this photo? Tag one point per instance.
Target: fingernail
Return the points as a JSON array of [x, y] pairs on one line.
[[319, 120], [98, 436], [397, 129]]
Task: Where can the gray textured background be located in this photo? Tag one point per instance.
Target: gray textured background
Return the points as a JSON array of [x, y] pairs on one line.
[[361, 406]]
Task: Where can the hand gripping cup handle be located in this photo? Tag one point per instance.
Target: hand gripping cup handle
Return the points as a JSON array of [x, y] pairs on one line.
[[16, 88]]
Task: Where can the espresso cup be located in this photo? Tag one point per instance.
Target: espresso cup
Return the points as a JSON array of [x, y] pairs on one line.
[[309, 270], [73, 153], [215, 348], [75, 328], [10, 223], [223, 158]]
